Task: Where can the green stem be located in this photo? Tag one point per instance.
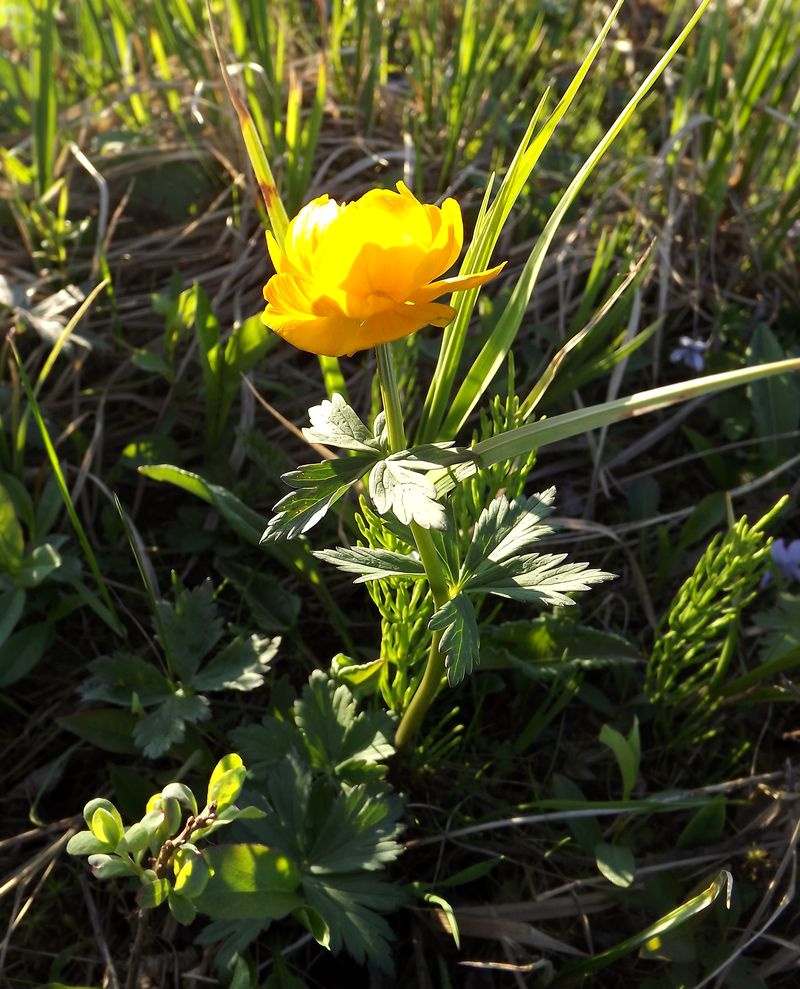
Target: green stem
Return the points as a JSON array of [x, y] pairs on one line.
[[435, 572]]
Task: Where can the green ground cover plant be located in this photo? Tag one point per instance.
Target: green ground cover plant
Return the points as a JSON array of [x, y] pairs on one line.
[[436, 748]]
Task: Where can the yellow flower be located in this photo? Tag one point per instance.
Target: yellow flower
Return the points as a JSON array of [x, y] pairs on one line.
[[353, 276]]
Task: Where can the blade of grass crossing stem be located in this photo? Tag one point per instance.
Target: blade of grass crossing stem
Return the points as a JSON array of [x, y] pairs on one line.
[[576, 971], [80, 532], [487, 232], [535, 435], [255, 149], [494, 351], [43, 89], [279, 221]]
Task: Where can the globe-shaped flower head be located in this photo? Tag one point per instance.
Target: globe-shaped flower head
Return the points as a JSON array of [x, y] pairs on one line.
[[352, 276]]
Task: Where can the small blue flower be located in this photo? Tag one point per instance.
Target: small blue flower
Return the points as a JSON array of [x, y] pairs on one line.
[[691, 352], [787, 558]]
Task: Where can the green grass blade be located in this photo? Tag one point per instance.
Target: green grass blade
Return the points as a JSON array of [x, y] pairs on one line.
[[576, 971], [487, 231], [533, 436], [495, 350], [537, 392], [77, 525], [43, 87], [278, 219]]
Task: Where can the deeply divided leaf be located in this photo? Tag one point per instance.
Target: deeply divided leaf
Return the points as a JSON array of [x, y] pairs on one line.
[[460, 640]]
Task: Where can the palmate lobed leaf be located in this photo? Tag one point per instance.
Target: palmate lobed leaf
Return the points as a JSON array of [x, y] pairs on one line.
[[241, 665], [372, 564], [165, 726], [335, 423], [351, 905], [543, 579], [117, 678], [337, 737], [189, 629], [410, 496], [506, 527], [318, 487]]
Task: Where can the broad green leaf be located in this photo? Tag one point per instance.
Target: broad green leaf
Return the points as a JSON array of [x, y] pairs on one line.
[[707, 825], [627, 752], [192, 873], [334, 423], [460, 640], [116, 679], [181, 793], [95, 804], [20, 653], [226, 781], [410, 496], [109, 867], [85, 843], [37, 566], [372, 564], [153, 894], [181, 908], [249, 881], [351, 906], [105, 827], [189, 628], [267, 743], [139, 835], [616, 863], [12, 604], [358, 831], [359, 674], [12, 541]]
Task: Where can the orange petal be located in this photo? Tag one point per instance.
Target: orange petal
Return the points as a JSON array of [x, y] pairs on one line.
[[331, 336], [286, 293], [401, 322], [459, 283]]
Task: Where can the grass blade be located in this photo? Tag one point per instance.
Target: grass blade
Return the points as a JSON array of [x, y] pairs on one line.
[[495, 350], [535, 435], [43, 87], [576, 971], [487, 231], [77, 525]]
